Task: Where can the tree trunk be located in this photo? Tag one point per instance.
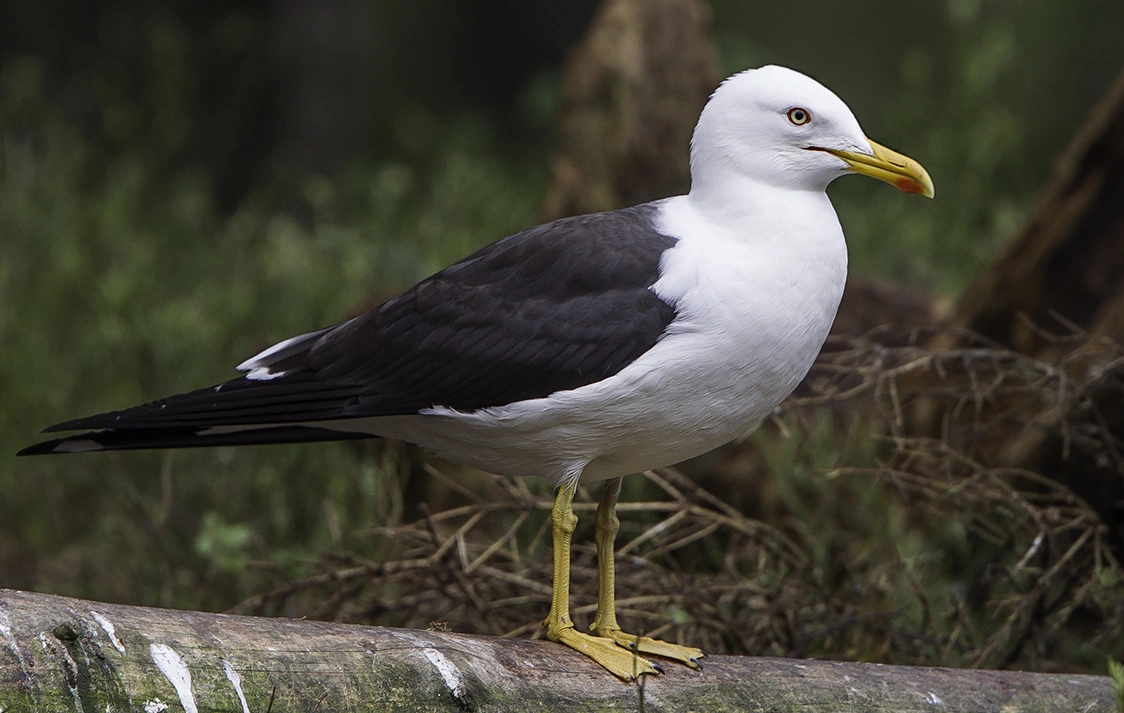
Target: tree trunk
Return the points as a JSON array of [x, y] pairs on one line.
[[633, 91], [1069, 257], [1065, 268], [67, 654]]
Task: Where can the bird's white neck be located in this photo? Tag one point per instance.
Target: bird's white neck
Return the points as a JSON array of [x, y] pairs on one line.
[[735, 202]]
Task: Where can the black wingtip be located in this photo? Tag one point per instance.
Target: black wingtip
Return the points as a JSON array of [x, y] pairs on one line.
[[78, 424], [39, 449], [64, 426], [127, 439]]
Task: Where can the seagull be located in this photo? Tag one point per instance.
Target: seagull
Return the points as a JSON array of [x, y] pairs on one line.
[[584, 349]]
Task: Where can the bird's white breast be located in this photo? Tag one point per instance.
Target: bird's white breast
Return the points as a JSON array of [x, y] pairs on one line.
[[755, 300]]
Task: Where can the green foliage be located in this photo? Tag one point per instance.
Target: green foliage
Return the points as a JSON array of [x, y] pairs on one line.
[[1116, 673], [973, 147], [121, 282], [224, 544]]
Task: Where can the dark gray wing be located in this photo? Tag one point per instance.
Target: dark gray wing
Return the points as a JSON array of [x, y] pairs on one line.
[[555, 307]]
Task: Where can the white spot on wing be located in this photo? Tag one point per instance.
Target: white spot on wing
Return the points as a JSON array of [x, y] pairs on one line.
[[110, 631], [262, 373], [175, 670], [934, 699], [236, 681], [449, 672]]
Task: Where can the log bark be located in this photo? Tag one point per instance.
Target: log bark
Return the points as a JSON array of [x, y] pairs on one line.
[[59, 653]]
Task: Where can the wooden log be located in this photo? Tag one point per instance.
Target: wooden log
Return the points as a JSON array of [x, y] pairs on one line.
[[58, 653]]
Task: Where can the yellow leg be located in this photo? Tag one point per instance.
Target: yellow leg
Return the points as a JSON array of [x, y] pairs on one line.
[[624, 664], [605, 622], [607, 525]]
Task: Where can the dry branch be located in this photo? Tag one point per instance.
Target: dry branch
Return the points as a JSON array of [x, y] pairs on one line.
[[68, 654], [1067, 257]]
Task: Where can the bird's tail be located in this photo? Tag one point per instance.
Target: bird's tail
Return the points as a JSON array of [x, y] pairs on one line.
[[286, 409], [123, 439]]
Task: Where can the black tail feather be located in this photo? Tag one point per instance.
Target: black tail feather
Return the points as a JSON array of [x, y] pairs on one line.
[[122, 439], [239, 402]]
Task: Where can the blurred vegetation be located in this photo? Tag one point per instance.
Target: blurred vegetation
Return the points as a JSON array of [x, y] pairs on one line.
[[165, 213], [116, 275]]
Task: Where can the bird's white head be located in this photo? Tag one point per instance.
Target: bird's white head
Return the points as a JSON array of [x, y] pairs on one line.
[[778, 127]]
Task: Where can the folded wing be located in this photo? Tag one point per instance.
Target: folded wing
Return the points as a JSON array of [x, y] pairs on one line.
[[552, 308]]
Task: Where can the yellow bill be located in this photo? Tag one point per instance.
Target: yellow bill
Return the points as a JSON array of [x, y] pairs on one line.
[[890, 166]]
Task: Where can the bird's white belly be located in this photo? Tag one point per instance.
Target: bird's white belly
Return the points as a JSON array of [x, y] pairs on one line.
[[647, 416]]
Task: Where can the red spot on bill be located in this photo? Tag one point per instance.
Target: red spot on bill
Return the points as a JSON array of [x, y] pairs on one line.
[[909, 185]]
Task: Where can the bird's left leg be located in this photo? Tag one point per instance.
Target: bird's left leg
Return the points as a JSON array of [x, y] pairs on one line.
[[605, 622]]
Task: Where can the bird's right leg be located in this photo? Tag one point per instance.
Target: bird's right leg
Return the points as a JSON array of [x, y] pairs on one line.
[[605, 622], [559, 627]]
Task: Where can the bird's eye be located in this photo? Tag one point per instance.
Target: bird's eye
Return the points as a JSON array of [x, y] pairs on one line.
[[799, 116]]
